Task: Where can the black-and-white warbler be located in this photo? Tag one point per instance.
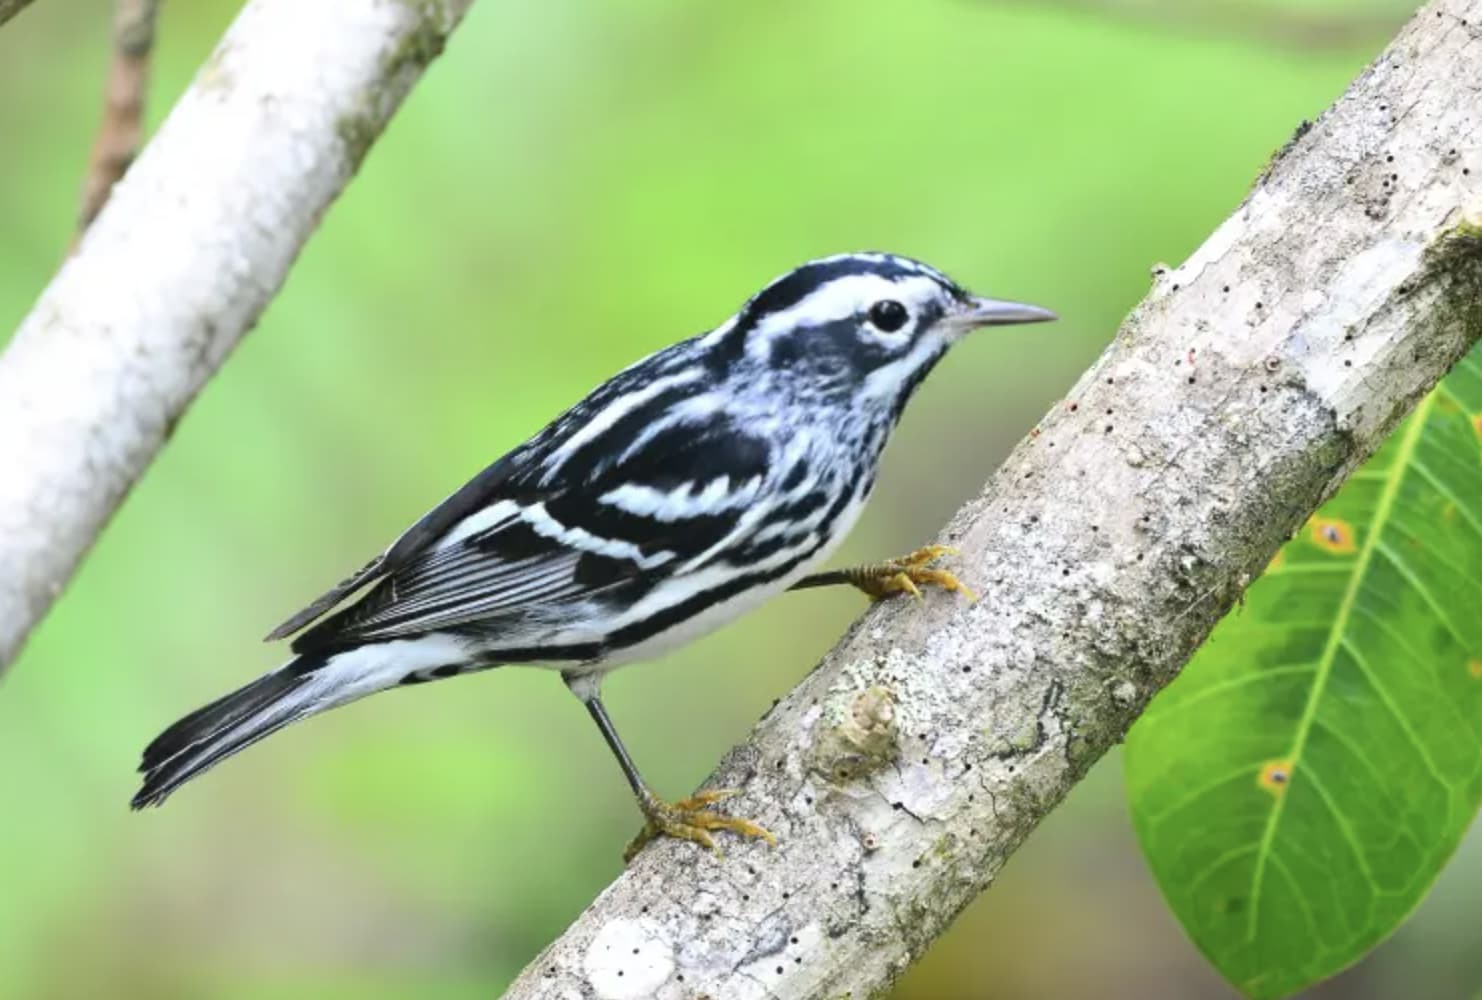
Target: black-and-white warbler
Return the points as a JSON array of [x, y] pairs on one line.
[[679, 494]]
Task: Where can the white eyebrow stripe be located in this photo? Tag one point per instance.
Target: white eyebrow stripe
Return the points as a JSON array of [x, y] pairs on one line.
[[835, 300], [839, 299]]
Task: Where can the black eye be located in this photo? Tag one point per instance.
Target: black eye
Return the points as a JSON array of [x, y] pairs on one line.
[[888, 315]]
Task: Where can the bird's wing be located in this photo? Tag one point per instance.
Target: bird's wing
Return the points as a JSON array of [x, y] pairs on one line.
[[605, 519], [473, 495]]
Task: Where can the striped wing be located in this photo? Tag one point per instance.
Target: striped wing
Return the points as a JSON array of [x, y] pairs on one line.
[[599, 523]]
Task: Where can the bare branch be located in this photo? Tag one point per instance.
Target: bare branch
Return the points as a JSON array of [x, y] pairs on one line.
[[191, 246], [123, 105], [902, 773]]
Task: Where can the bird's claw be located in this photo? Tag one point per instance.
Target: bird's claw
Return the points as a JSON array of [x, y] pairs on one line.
[[908, 574], [690, 819]]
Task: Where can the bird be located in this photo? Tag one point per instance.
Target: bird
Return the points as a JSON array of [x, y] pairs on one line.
[[681, 493]]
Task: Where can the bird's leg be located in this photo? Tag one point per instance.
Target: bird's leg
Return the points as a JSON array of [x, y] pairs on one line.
[[687, 819], [906, 575]]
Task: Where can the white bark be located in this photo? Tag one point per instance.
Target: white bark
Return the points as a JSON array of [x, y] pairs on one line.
[[191, 246], [902, 773]]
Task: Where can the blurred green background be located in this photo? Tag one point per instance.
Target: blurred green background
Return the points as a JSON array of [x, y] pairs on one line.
[[576, 183]]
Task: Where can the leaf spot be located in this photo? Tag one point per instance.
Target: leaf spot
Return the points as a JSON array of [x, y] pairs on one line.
[[1333, 535], [1277, 561], [1474, 667], [1275, 775]]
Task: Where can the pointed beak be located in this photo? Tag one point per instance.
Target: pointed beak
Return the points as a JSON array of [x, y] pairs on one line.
[[978, 312]]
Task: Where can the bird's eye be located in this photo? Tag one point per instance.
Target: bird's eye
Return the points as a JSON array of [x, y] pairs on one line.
[[888, 315]]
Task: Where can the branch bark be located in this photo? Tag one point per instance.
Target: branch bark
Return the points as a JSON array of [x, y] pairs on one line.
[[123, 105], [192, 245], [904, 771]]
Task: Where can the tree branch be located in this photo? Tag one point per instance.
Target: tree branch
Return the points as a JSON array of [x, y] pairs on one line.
[[902, 773], [10, 8], [191, 246], [123, 105]]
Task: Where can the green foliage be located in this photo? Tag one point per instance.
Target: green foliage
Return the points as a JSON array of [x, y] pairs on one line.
[[1298, 789]]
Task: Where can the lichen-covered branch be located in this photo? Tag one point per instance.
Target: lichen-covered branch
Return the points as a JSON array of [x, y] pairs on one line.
[[123, 104], [902, 773], [192, 244]]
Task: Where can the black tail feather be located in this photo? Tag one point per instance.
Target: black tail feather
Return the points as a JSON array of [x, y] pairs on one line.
[[215, 732]]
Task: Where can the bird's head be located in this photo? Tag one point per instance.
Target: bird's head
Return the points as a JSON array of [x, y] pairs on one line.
[[867, 327]]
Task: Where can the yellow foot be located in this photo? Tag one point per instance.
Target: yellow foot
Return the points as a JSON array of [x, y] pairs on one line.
[[908, 574], [689, 819]]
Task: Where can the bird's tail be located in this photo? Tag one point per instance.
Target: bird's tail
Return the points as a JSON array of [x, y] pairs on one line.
[[305, 686]]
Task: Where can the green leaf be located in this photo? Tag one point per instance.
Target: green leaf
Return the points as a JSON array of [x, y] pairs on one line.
[[1298, 788]]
